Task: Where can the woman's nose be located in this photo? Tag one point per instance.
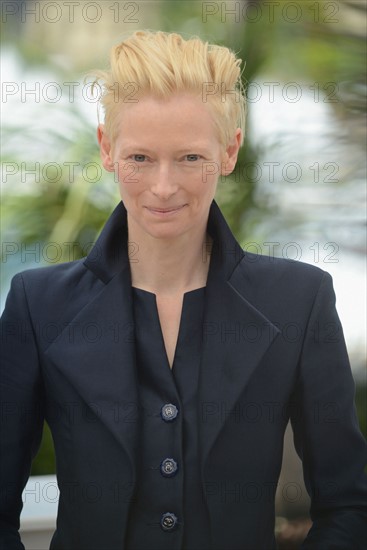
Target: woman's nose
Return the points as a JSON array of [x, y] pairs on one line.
[[165, 182]]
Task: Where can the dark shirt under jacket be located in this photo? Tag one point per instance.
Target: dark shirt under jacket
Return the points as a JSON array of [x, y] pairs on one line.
[[168, 510]]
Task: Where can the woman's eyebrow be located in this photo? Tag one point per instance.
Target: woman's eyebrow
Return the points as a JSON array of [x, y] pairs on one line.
[[134, 148], [189, 148]]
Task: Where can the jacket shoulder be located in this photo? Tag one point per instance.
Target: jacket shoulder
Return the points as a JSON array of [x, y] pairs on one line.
[[261, 263], [281, 275], [43, 274], [56, 288]]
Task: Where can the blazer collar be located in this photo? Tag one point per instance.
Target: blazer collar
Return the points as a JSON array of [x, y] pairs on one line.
[[110, 253]]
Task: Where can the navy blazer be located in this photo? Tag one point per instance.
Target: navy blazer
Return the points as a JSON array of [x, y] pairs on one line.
[[273, 350]]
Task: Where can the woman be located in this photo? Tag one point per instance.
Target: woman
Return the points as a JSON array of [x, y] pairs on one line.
[[172, 374]]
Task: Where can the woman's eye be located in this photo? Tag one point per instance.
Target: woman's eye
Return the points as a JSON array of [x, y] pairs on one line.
[[192, 157], [139, 158]]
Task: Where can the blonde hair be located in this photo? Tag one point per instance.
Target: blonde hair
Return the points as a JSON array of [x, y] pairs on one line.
[[162, 64]]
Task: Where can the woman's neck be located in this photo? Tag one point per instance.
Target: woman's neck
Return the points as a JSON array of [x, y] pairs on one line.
[[169, 266]]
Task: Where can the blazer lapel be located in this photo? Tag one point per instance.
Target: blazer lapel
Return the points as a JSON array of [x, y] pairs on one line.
[[99, 360], [235, 334]]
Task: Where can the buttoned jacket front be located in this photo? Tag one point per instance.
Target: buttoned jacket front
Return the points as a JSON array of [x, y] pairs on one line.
[[273, 349]]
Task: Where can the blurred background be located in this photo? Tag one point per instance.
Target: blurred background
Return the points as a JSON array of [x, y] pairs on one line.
[[299, 187]]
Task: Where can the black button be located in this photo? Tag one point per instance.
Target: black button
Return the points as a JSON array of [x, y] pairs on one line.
[[169, 412], [168, 521], [169, 467]]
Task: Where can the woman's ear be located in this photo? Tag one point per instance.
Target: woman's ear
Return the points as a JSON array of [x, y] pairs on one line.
[[105, 148], [231, 153]]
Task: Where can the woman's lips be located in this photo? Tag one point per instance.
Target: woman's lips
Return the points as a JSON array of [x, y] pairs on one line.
[[165, 211]]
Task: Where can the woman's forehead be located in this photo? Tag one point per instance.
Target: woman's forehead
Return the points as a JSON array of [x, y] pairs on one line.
[[178, 117], [149, 105]]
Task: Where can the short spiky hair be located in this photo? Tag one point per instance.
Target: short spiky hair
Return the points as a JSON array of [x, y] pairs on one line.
[[162, 64]]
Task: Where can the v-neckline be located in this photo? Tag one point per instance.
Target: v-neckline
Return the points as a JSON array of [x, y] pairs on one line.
[[153, 297]]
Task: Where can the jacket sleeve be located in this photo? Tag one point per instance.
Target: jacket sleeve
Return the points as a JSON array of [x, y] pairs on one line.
[[21, 410], [326, 432]]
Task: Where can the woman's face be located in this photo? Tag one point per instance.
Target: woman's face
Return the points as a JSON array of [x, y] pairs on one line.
[[167, 159]]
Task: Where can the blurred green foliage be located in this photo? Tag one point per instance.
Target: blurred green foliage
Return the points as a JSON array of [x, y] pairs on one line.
[[45, 462]]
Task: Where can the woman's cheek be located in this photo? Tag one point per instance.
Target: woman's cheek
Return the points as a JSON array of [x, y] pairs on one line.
[[128, 172]]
